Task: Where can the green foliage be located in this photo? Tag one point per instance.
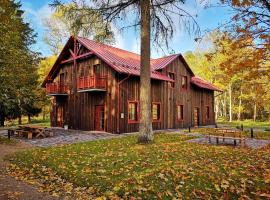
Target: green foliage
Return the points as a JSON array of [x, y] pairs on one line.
[[267, 129], [167, 169], [18, 75]]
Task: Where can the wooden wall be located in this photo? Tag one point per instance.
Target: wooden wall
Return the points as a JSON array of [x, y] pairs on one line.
[[79, 107]]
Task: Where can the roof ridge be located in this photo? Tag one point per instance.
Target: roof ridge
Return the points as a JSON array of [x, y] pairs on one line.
[[110, 46], [176, 54]]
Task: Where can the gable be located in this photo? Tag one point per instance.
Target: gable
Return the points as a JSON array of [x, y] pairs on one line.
[[120, 60]]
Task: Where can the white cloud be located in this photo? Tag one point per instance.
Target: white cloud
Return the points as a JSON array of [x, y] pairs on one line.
[[37, 16]]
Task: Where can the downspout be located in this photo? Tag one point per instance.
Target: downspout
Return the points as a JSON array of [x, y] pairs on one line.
[[118, 102]]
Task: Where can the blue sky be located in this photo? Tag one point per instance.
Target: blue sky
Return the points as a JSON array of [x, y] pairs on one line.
[[37, 10]]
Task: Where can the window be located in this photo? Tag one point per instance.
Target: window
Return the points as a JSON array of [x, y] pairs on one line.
[[132, 111], [171, 75], [156, 111], [184, 82], [207, 112], [180, 112]]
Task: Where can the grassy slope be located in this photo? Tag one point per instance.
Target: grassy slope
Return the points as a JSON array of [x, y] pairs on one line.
[[168, 168]]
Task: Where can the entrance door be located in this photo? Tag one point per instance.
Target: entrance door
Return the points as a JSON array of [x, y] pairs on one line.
[[99, 118], [196, 117], [59, 113]]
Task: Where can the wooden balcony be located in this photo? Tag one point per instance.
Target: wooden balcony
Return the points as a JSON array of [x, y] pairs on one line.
[[92, 83], [53, 89]]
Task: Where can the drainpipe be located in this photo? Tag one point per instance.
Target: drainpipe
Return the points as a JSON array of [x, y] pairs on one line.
[[118, 102]]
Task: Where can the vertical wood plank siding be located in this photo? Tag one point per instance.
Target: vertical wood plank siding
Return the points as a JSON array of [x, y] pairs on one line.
[[79, 108]]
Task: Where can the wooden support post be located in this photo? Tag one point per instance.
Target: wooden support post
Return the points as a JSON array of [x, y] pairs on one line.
[[234, 142], [217, 140], [242, 127], [223, 138], [189, 128], [9, 133], [251, 132], [29, 135]]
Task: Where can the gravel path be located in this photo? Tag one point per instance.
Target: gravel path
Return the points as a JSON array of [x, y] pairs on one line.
[[10, 188], [65, 137]]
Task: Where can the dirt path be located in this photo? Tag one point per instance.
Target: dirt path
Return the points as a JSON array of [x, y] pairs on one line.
[[10, 188]]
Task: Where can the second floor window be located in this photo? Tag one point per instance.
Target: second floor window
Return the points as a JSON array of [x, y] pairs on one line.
[[171, 75], [155, 111], [184, 82], [180, 112], [132, 111]]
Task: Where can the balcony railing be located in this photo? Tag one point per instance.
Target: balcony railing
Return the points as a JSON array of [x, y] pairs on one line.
[[92, 83], [56, 89]]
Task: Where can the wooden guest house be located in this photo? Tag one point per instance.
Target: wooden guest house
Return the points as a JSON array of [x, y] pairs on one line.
[[96, 87]]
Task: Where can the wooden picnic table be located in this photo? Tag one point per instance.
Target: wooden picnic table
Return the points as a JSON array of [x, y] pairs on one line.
[[33, 131]]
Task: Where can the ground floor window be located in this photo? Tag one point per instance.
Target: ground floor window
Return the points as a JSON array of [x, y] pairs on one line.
[[132, 111], [156, 111], [180, 112]]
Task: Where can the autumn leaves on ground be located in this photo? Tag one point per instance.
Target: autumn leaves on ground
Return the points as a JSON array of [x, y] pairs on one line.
[[170, 167]]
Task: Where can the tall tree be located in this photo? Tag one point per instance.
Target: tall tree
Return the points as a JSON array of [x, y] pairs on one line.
[[59, 28], [154, 18], [17, 61]]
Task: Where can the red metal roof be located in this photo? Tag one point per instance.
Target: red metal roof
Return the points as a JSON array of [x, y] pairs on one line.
[[160, 63], [204, 84], [120, 60], [129, 63]]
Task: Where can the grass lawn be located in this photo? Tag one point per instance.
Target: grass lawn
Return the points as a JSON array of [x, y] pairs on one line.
[[256, 134], [6, 141], [35, 120], [168, 168], [246, 124]]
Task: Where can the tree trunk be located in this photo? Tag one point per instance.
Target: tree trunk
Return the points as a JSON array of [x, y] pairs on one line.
[[239, 106], [29, 119], [20, 120], [225, 105], [217, 109], [255, 112], [230, 96], [2, 121], [44, 113], [146, 132]]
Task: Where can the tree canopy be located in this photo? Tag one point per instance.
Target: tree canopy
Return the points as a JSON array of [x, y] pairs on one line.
[[18, 75]]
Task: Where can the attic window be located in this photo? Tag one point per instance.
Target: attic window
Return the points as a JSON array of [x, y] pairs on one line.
[[184, 82], [171, 75]]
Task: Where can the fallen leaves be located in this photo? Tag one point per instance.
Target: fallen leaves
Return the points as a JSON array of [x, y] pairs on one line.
[[171, 168]]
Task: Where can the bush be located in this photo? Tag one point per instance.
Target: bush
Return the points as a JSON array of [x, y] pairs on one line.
[[267, 128]]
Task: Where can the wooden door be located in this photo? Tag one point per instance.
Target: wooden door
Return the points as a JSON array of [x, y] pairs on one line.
[[196, 117], [59, 117], [99, 118]]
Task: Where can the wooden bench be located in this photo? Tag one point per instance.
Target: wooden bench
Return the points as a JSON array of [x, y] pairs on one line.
[[22, 133], [221, 133]]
